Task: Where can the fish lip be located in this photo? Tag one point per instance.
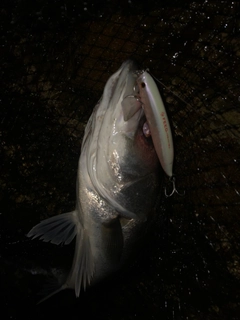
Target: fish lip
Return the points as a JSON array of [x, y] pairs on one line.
[[131, 64], [127, 74]]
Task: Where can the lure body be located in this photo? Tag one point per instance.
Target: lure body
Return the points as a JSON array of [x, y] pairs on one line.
[[157, 119]]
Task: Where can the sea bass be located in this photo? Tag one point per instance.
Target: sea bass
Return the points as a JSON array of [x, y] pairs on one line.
[[118, 182]]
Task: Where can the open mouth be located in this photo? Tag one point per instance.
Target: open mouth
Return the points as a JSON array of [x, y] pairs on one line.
[[131, 104], [145, 95]]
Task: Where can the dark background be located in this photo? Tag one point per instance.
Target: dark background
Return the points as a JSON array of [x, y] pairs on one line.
[[56, 57]]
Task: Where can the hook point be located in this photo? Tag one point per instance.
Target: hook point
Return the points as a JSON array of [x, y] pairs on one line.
[[172, 180]]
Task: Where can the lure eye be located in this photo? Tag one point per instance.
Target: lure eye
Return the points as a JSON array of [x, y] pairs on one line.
[[143, 85]]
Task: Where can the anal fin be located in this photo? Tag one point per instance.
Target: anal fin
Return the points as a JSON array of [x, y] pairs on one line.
[[83, 264]]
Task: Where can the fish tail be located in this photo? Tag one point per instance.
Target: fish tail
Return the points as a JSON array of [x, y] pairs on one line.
[[63, 287]]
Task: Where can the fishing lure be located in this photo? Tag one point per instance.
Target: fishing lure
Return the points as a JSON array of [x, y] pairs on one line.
[[158, 122]]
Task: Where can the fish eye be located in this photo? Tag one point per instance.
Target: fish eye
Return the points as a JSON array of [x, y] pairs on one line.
[[143, 85]]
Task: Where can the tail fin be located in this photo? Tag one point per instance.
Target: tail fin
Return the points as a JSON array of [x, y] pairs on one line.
[[52, 293], [62, 229]]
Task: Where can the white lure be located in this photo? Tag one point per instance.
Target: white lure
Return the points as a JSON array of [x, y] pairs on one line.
[[158, 123], [157, 119]]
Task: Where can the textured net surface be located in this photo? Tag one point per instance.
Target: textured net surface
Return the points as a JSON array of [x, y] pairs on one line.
[[56, 57]]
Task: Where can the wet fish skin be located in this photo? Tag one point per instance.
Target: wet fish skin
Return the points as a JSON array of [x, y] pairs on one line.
[[117, 186]]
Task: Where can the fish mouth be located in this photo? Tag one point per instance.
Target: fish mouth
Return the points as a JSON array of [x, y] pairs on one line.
[[131, 103], [124, 82], [121, 105]]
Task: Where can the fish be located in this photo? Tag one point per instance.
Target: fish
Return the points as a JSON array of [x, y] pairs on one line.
[[118, 184]]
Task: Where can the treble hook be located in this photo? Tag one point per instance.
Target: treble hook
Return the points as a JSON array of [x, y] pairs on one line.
[[172, 180]]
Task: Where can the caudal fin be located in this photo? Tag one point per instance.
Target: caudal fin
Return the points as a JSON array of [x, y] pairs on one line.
[[54, 291]]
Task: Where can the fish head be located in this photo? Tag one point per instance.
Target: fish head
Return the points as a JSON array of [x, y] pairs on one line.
[[119, 155]]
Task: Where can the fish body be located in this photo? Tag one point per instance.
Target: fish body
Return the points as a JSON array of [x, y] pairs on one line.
[[117, 187]]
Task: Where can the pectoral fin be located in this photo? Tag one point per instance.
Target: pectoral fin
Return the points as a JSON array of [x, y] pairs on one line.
[[62, 229], [58, 229]]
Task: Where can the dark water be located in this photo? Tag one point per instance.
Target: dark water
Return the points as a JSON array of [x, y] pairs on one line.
[[55, 59]]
